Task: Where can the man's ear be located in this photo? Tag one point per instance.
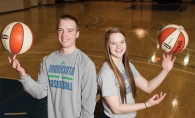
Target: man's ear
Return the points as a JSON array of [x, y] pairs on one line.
[[77, 35]]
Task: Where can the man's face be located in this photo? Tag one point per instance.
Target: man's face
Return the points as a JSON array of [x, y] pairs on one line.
[[67, 33]]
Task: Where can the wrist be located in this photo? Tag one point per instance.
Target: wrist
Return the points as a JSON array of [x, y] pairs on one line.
[[145, 105], [165, 71], [23, 76]]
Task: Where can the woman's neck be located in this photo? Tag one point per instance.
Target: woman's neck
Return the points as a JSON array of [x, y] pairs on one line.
[[117, 61]]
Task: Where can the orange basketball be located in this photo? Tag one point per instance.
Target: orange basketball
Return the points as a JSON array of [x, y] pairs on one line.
[[173, 38], [17, 37]]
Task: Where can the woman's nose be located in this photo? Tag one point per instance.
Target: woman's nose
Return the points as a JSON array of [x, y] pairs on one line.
[[118, 46]]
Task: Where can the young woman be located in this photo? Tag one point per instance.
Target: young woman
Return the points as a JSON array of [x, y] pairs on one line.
[[118, 79]]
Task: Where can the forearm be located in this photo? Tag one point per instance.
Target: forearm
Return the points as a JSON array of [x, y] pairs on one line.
[[37, 90], [118, 108], [127, 108], [155, 82]]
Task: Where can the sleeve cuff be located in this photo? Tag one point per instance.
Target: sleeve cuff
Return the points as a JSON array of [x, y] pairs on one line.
[[23, 79]]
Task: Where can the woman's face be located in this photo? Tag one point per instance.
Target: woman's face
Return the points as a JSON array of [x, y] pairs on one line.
[[117, 45]]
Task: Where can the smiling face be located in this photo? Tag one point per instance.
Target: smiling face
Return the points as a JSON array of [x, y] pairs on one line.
[[117, 46], [67, 33]]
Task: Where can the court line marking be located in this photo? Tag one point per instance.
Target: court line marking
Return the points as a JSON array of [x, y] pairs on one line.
[[97, 67], [92, 23], [17, 113], [105, 20], [132, 61], [148, 64], [92, 27]]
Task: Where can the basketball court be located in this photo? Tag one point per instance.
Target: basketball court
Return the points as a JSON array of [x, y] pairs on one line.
[[141, 22]]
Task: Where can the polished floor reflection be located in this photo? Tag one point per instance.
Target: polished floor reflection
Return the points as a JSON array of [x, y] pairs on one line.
[[141, 22]]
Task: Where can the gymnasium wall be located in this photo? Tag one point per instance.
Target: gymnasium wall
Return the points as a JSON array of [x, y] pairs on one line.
[[186, 0], [14, 5], [11, 5], [169, 1], [48, 2]]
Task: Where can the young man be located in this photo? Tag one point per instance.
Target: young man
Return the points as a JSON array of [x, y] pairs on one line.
[[67, 76]]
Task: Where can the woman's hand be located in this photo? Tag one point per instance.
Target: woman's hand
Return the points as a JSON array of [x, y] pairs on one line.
[[156, 99], [167, 62]]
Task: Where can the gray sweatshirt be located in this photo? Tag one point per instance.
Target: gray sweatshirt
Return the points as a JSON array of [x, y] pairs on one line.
[[69, 82]]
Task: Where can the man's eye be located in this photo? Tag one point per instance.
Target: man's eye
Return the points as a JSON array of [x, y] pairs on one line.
[[60, 30]]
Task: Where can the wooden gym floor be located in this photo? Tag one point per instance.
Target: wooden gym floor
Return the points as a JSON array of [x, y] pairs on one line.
[[141, 21]]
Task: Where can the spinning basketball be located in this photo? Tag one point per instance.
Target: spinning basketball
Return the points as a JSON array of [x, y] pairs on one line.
[[173, 38], [16, 38]]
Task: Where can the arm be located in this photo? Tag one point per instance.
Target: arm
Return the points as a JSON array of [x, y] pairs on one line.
[[89, 90], [149, 86], [110, 93], [118, 108], [36, 89]]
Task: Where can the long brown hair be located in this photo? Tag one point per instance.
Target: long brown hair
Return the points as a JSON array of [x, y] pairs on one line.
[[125, 61]]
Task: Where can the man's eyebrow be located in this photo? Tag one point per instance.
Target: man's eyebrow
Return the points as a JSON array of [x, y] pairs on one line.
[[70, 28]]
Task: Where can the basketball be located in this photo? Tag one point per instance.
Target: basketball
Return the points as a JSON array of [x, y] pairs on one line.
[[173, 38], [16, 37]]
